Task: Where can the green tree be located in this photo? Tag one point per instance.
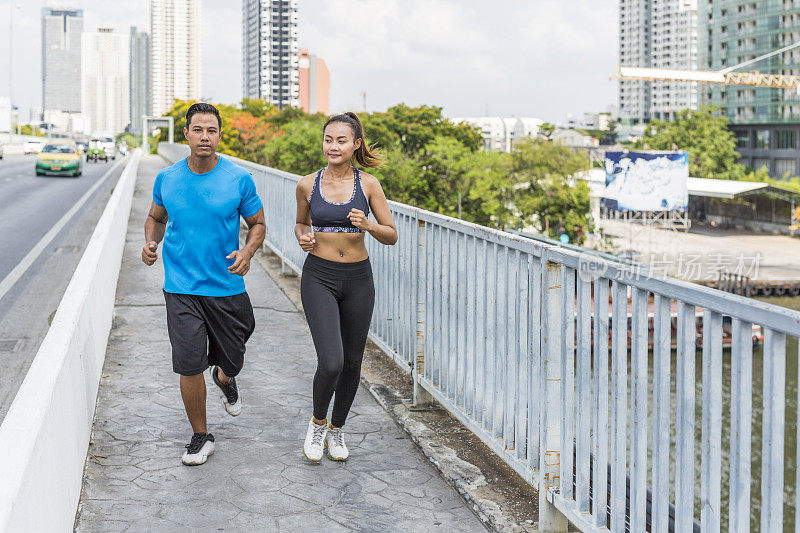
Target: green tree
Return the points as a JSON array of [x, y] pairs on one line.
[[490, 185], [443, 161], [403, 179], [429, 162], [413, 128], [547, 130], [297, 149], [257, 108], [288, 115], [545, 194], [27, 129], [707, 139]]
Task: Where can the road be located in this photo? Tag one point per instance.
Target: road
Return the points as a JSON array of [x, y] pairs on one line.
[[30, 207]]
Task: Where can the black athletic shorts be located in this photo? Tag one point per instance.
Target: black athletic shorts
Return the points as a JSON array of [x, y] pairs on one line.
[[208, 330]]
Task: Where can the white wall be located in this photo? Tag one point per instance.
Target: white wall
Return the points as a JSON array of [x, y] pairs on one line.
[[45, 434]]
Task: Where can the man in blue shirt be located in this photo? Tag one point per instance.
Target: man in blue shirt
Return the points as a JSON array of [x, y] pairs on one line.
[[196, 207]]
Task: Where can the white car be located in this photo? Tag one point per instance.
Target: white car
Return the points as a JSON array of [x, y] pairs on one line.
[[1, 151], [33, 147], [107, 144]]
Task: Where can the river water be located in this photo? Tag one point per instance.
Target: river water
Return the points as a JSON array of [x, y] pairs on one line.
[[790, 428]]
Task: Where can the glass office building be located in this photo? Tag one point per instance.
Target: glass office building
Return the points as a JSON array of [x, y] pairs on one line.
[[766, 121]]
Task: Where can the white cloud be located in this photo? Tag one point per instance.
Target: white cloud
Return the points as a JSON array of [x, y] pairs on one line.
[[520, 57], [541, 58]]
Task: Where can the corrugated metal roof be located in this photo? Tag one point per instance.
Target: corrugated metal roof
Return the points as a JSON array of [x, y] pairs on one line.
[[721, 188], [596, 179]]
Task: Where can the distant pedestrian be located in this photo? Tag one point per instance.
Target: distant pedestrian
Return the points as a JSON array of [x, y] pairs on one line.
[[196, 207], [336, 287]]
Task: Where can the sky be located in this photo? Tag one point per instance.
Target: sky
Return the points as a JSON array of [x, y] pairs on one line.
[[527, 58]]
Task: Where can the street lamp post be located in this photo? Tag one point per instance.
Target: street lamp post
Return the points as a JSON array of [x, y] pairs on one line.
[[11, 8]]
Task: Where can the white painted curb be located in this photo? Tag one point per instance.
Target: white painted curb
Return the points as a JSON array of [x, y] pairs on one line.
[[45, 434]]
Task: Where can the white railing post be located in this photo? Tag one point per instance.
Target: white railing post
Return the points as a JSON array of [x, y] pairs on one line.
[[550, 519], [421, 397]]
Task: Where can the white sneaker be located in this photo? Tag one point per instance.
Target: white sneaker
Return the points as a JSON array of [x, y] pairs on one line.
[[198, 450], [230, 394], [334, 440], [314, 445]]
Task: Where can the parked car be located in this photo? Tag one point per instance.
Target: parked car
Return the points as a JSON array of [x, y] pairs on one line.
[[59, 158], [1, 151]]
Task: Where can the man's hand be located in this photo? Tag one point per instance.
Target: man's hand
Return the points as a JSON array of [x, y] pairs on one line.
[[149, 254], [359, 219], [307, 241], [241, 263]]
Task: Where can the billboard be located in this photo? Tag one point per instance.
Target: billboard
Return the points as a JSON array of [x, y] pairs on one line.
[[647, 181]]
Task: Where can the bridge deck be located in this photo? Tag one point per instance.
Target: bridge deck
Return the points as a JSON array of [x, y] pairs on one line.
[[257, 479]]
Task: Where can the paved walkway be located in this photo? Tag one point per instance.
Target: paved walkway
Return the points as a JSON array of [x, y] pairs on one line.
[[257, 480]]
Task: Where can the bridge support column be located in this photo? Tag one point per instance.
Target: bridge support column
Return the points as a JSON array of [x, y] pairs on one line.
[[550, 519]]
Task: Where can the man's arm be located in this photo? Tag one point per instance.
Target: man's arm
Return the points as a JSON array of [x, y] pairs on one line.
[[255, 236], [256, 232], [154, 227]]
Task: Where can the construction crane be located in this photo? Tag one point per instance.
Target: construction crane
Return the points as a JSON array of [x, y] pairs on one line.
[[726, 76]]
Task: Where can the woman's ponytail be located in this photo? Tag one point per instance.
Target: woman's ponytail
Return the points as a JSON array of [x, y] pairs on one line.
[[366, 156]]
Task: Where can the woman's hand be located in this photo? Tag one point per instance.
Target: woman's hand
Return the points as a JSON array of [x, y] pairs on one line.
[[307, 241], [359, 219]]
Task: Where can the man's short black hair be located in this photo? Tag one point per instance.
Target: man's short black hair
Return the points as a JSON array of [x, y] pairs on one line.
[[202, 107]]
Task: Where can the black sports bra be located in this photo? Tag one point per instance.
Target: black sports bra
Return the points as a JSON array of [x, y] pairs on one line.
[[331, 216]]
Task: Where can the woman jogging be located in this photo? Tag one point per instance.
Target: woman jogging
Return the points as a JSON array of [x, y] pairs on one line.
[[336, 287]]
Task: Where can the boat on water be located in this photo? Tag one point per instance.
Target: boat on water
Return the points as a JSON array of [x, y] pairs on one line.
[[757, 334]]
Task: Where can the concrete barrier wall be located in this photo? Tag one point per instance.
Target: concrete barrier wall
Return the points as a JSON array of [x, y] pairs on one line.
[[45, 435]]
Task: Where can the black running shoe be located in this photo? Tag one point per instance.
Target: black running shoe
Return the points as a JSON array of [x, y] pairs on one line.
[[199, 449], [230, 391]]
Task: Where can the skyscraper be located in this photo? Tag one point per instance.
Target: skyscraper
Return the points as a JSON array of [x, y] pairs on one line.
[[659, 34], [634, 51], [314, 83], [674, 46], [174, 52], [61, 59], [269, 51], [140, 78], [765, 121], [105, 82]]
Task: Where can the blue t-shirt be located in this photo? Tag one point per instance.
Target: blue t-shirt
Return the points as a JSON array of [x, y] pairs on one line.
[[203, 226]]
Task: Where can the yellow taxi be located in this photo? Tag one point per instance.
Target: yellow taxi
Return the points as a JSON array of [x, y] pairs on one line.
[[59, 158]]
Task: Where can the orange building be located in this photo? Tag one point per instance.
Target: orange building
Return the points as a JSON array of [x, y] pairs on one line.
[[315, 84]]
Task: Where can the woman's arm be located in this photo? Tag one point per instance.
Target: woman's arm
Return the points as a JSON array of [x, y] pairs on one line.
[[384, 229], [302, 226]]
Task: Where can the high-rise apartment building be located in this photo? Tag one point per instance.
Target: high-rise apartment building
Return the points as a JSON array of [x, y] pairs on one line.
[[634, 51], [61, 59], [673, 46], [766, 121], [659, 34], [175, 51], [314, 83], [140, 78], [270, 51], [105, 79]]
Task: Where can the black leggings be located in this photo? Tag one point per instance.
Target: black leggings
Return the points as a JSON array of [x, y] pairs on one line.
[[337, 299]]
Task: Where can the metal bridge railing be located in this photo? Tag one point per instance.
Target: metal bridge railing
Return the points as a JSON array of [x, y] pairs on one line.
[[566, 366]]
